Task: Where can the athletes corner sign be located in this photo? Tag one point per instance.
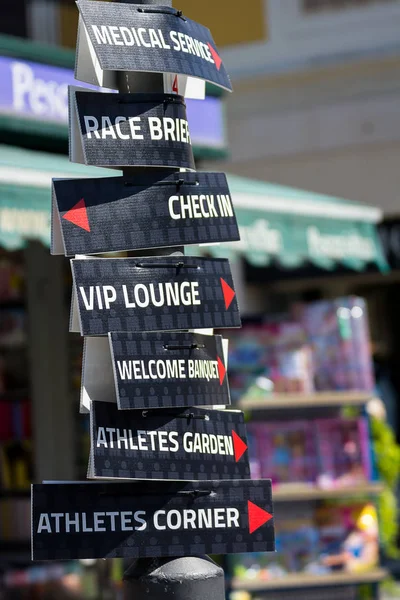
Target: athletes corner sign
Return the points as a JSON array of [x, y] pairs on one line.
[[155, 519]]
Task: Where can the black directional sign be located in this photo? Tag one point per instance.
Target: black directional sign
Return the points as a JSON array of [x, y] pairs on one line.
[[151, 519], [146, 211], [153, 294], [163, 370], [191, 444], [118, 130], [130, 37]]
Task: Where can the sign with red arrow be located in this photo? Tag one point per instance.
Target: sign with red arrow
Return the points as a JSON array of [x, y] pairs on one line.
[[127, 37], [152, 294], [144, 211], [158, 518], [184, 444], [155, 370]]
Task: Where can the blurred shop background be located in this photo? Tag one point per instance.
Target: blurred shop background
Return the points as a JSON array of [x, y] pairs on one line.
[[311, 142]]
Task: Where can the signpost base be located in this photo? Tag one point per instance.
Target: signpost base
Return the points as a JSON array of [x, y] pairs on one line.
[[188, 578]]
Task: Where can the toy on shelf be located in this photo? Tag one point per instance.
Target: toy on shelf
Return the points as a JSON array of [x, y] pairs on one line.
[[348, 537], [339, 336], [343, 452], [321, 346], [326, 452], [286, 451], [316, 539]]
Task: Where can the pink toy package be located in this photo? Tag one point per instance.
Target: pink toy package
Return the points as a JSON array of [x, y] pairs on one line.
[[287, 451], [344, 458], [339, 336]]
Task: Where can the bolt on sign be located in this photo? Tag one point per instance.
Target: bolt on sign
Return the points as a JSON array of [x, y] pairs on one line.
[[169, 460]]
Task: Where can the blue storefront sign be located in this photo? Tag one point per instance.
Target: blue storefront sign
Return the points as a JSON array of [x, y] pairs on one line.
[[35, 91]]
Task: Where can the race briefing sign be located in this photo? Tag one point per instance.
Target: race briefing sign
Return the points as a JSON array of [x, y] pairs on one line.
[[189, 444], [148, 210], [152, 518], [152, 294], [129, 37], [136, 130], [155, 370]]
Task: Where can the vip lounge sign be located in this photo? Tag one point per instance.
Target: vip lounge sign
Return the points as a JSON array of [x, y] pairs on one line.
[[192, 444], [152, 294], [112, 214], [160, 518], [129, 37], [155, 370], [136, 130]]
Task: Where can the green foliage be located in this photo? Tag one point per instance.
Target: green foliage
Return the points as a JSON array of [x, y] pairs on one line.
[[387, 456]]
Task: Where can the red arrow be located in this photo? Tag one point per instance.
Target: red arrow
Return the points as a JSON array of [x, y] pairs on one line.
[[257, 516], [216, 56], [221, 370], [239, 446], [228, 292], [78, 215]]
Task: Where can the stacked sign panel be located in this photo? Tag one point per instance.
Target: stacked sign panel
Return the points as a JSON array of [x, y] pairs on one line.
[[154, 376]]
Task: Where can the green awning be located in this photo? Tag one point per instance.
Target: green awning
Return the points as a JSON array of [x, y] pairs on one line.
[[277, 224], [292, 227], [25, 196]]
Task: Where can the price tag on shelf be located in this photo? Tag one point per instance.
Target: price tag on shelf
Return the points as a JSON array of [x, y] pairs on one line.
[[155, 370], [190, 444], [152, 294], [151, 519], [113, 214], [128, 37]]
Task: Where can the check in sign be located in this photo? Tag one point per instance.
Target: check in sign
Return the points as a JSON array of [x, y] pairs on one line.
[[113, 214]]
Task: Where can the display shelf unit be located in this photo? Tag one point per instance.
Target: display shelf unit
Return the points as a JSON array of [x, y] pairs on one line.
[[300, 492], [318, 399], [303, 580]]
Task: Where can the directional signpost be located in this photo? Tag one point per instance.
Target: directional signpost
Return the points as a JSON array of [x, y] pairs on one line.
[[172, 459]]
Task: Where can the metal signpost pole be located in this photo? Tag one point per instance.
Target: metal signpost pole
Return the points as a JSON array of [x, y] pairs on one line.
[[194, 578]]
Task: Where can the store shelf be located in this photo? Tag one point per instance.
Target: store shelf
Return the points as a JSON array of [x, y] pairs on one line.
[[303, 580], [298, 492], [320, 399]]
